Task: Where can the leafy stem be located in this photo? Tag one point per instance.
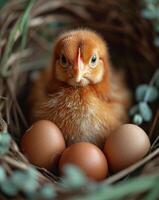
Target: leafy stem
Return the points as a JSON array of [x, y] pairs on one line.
[[153, 80], [145, 93]]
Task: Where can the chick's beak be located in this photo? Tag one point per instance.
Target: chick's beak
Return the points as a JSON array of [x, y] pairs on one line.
[[79, 68]]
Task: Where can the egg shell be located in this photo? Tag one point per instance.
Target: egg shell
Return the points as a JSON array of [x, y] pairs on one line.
[[88, 157], [127, 145], [43, 143]]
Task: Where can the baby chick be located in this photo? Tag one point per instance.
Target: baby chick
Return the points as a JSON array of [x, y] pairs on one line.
[[81, 92]]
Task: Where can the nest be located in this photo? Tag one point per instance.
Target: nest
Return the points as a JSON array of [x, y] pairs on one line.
[[28, 31]]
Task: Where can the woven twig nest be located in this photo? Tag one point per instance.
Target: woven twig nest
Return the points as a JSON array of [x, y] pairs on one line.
[[28, 30]]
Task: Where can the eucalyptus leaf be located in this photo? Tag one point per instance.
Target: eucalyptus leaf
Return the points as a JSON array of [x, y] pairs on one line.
[[137, 119], [121, 190], [145, 111], [17, 178], [146, 93], [30, 185], [74, 177], [134, 110], [47, 192], [5, 139], [8, 188], [31, 172], [149, 14], [2, 174], [4, 149]]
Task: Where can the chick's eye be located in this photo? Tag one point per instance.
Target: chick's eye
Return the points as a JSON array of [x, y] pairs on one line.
[[93, 60], [63, 61]]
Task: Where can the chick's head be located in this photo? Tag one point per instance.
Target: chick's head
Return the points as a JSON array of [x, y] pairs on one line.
[[80, 58]]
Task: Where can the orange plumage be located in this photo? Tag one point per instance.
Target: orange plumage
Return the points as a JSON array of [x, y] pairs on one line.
[[80, 91]]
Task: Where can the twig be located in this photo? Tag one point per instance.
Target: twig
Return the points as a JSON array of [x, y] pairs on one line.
[[156, 119], [40, 41], [38, 21], [20, 165], [14, 163], [3, 124], [16, 56], [16, 105], [47, 6], [154, 143], [130, 169]]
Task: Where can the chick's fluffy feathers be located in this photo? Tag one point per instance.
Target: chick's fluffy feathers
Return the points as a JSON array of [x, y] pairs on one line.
[[88, 113]]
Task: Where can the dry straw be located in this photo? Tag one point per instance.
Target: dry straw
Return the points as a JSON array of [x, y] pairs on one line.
[[27, 32]]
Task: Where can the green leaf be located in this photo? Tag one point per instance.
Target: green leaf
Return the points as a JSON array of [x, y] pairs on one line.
[[145, 111], [24, 23], [134, 110], [8, 188], [137, 119], [18, 178], [74, 177], [31, 181], [121, 190], [30, 185], [3, 150], [16, 32], [47, 192], [148, 14], [146, 93], [5, 139], [2, 174], [32, 172]]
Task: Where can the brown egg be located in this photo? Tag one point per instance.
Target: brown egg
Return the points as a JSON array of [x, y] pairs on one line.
[[43, 143], [126, 146], [88, 157]]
